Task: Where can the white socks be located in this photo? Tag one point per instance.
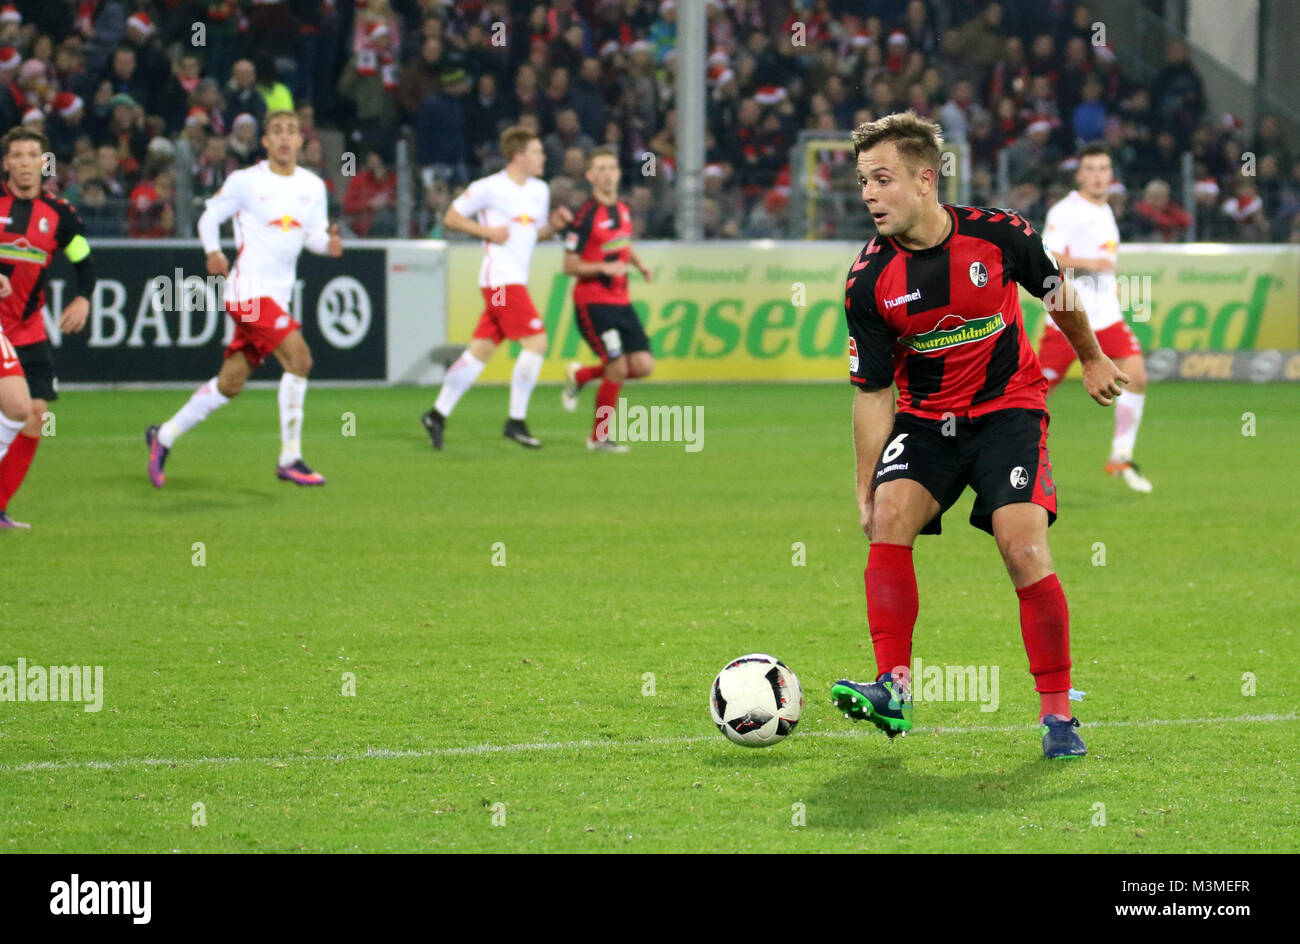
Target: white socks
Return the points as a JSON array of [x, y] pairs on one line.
[[522, 382], [460, 377], [9, 430], [205, 399], [1128, 417], [293, 390]]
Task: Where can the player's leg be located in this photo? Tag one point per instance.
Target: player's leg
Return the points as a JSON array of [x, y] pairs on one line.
[[37, 362], [467, 368], [917, 464], [576, 375], [15, 400], [528, 367], [621, 340], [1021, 533], [1119, 344], [1016, 502], [295, 357], [16, 462], [212, 395]]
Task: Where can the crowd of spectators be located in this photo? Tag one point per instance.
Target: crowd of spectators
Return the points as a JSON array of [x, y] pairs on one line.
[[132, 93]]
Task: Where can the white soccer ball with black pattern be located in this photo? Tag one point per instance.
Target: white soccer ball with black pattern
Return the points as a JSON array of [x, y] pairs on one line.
[[755, 700]]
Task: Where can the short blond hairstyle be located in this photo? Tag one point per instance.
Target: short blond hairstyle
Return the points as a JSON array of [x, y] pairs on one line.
[[919, 142]]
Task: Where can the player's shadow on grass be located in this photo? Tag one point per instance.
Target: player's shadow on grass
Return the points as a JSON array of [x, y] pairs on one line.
[[878, 792]]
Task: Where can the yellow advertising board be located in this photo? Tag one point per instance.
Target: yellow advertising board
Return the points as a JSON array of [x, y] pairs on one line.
[[771, 310]]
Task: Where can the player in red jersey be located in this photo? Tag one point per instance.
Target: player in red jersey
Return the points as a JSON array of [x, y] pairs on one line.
[[598, 250], [933, 306], [33, 227]]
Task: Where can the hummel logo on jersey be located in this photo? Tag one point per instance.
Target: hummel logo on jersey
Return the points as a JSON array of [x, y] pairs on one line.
[[979, 275], [903, 299]]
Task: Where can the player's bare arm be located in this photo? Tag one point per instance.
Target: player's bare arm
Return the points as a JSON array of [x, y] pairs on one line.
[[873, 418], [462, 224], [1101, 378], [638, 264], [576, 265], [561, 217]]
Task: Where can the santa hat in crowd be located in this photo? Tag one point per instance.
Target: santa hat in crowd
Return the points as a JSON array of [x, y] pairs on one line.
[[32, 115], [67, 104], [10, 58], [9, 14], [770, 94], [140, 21]]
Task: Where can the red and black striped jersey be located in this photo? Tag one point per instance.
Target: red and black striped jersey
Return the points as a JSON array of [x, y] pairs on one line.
[[601, 233], [944, 323], [31, 232]]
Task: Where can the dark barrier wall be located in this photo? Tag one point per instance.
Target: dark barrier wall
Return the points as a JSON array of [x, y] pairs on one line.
[[154, 316]]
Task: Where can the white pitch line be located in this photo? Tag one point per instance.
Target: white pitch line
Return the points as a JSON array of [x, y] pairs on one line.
[[482, 749]]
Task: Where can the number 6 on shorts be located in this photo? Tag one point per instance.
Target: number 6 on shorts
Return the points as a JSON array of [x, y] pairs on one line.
[[894, 449]]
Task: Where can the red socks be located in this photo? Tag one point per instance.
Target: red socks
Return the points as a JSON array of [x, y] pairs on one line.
[[587, 374], [1045, 627], [892, 605], [13, 468], [606, 395]]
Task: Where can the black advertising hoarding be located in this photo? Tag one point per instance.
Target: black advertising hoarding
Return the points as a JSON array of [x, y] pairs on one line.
[[154, 316]]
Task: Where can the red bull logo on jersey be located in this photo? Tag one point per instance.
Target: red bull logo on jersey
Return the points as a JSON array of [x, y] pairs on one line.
[[952, 331], [524, 218], [20, 250], [285, 223]]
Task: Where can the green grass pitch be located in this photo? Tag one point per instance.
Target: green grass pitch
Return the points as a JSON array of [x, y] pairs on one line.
[[506, 708]]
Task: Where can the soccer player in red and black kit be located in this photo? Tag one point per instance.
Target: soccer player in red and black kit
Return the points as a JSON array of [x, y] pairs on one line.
[[598, 250], [932, 306], [33, 226]]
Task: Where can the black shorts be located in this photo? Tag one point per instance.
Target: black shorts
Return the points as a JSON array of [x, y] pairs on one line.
[[38, 366], [611, 330], [1002, 455]]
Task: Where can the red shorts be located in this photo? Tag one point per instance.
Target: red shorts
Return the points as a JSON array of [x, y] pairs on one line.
[[260, 326], [9, 363], [514, 319], [1056, 355]]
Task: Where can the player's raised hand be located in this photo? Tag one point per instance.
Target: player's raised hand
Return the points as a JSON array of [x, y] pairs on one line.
[[1103, 380], [74, 315], [644, 270], [561, 217], [497, 234], [335, 247], [5, 288], [218, 264]]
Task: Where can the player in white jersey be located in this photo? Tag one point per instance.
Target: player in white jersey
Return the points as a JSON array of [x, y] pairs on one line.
[[1081, 232], [279, 209], [510, 211]]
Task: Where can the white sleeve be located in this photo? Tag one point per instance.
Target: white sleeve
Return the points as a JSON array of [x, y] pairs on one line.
[[474, 200], [316, 233], [220, 207], [1057, 232]]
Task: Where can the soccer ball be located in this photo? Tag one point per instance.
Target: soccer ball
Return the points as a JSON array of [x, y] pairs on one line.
[[755, 700]]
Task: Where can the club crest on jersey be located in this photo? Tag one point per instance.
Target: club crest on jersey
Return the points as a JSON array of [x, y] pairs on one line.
[[979, 275], [44, 225], [853, 356]]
